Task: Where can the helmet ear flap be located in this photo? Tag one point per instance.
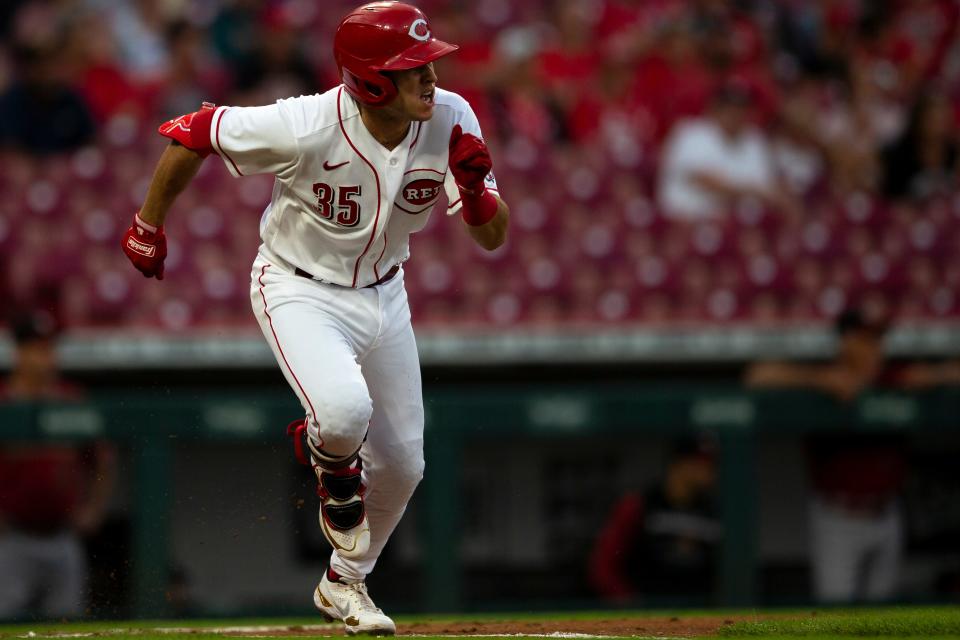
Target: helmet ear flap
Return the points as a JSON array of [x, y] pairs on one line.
[[375, 89]]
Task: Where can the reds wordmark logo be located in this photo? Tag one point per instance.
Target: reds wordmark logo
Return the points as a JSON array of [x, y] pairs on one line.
[[420, 190]]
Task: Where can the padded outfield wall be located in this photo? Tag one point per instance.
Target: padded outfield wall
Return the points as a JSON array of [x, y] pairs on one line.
[[209, 489]]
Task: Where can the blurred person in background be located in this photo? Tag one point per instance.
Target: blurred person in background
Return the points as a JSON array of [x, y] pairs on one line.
[[40, 112], [856, 516], [671, 80], [195, 73], [51, 496], [923, 161], [91, 57], [35, 375], [795, 150], [276, 66], [711, 164], [8, 12], [664, 541], [234, 30], [138, 28]]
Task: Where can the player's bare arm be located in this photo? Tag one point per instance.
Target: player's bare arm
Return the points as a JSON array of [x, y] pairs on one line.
[[175, 169], [835, 379], [144, 242], [777, 198], [493, 233]]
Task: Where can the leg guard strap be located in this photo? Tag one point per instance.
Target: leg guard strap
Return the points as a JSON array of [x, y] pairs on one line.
[[309, 453], [328, 461], [341, 484]]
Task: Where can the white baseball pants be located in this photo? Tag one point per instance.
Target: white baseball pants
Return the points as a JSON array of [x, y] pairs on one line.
[[856, 557], [50, 571], [351, 358]]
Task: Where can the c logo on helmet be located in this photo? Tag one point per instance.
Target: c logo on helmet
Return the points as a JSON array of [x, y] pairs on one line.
[[419, 30]]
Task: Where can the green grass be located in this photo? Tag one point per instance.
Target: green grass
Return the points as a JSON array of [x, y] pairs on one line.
[[885, 623], [898, 622]]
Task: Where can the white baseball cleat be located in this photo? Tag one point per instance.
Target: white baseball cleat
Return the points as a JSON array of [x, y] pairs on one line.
[[350, 602]]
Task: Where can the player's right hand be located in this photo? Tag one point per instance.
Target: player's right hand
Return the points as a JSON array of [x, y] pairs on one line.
[[146, 247]]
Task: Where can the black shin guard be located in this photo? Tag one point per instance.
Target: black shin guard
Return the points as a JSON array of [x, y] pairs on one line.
[[344, 516]]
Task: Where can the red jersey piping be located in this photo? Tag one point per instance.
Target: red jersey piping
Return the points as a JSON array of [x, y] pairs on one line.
[[376, 176], [416, 137], [280, 349], [227, 155]]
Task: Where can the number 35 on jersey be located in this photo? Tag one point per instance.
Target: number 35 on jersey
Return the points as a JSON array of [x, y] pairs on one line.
[[340, 204]]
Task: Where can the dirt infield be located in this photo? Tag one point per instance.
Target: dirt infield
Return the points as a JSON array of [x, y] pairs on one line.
[[932, 621], [674, 626]]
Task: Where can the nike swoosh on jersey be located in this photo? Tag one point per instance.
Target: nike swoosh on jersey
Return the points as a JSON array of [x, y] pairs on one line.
[[330, 167]]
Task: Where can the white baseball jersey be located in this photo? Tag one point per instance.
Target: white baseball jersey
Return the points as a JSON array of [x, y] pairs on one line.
[[343, 205]]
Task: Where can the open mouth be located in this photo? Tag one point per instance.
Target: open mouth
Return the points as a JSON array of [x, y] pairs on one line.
[[427, 97]]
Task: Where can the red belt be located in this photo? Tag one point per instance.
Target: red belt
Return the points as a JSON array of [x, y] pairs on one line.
[[394, 270]]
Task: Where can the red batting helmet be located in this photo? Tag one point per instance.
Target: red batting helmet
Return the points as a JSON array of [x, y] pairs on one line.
[[383, 36]]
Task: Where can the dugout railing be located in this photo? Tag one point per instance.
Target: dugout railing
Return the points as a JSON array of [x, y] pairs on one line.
[[151, 426]]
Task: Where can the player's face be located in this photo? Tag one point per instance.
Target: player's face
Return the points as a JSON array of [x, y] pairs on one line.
[[863, 351], [37, 359], [415, 92]]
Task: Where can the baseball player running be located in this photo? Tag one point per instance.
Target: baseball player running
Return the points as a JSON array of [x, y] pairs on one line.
[[358, 169]]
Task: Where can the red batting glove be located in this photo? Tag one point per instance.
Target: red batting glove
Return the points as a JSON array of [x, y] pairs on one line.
[[470, 163], [146, 247]]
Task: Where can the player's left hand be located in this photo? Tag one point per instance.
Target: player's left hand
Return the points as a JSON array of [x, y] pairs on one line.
[[470, 161], [146, 247]]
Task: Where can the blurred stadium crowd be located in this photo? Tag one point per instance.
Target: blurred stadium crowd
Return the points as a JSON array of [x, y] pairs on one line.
[[666, 160]]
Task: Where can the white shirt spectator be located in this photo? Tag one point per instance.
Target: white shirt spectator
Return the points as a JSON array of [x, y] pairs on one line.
[[700, 145], [799, 165], [140, 39]]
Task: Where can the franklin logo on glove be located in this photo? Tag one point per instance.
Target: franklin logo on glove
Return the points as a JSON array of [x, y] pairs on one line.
[[146, 247]]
